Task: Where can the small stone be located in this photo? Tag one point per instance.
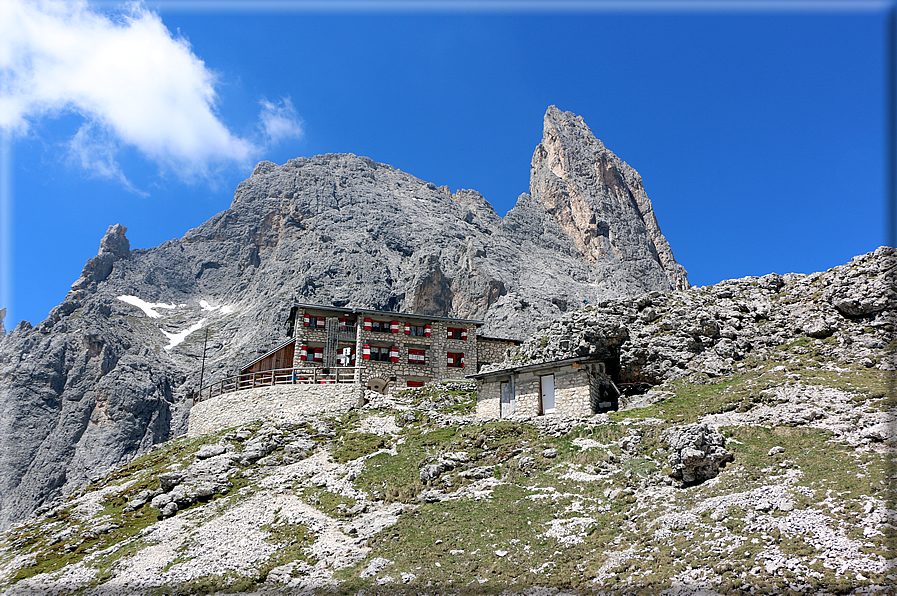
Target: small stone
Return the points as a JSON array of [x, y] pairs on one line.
[[160, 501], [169, 480], [170, 509], [432, 496], [501, 553], [550, 453], [207, 451], [776, 450]]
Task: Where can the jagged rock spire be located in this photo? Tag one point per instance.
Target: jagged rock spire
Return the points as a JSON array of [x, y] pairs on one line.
[[600, 201]]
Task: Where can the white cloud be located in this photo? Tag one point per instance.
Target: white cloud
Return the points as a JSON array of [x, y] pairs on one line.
[[94, 149], [133, 82], [281, 122]]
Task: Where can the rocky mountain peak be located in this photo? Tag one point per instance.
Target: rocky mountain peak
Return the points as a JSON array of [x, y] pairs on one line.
[[599, 200], [113, 247], [115, 243]]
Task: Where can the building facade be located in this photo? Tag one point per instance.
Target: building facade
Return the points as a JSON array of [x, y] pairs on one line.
[[390, 351], [572, 387]]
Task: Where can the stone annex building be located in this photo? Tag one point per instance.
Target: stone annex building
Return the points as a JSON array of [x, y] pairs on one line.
[[570, 387], [389, 351]]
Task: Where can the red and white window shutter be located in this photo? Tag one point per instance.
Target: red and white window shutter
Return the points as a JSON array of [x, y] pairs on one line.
[[427, 330], [416, 356], [462, 360], [367, 324], [303, 352], [393, 326], [322, 322], [342, 324], [464, 334], [306, 320], [407, 329], [319, 354], [366, 350], [394, 354]]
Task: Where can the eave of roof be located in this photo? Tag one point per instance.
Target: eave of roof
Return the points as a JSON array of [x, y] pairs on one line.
[[507, 339], [367, 311], [537, 366]]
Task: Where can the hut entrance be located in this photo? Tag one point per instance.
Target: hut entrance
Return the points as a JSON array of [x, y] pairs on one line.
[[508, 400], [603, 393], [546, 383]]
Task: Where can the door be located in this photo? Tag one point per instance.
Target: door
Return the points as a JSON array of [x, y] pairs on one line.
[[508, 403], [547, 384]]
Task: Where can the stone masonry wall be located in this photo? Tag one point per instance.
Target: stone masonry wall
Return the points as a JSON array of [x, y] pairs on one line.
[[488, 398], [263, 403], [491, 350], [571, 393]]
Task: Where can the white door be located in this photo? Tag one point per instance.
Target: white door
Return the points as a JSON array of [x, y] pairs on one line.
[[547, 383]]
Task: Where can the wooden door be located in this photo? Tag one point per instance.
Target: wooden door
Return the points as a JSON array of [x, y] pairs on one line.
[[508, 403]]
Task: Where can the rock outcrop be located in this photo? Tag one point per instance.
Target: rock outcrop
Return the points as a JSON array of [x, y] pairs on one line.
[[696, 453], [112, 369], [708, 332]]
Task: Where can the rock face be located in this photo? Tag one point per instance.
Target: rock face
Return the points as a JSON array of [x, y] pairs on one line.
[[112, 369], [599, 200]]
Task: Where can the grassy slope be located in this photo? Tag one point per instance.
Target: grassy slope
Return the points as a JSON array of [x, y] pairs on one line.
[[585, 519]]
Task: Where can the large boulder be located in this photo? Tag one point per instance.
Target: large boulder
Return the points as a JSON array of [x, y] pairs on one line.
[[697, 452]]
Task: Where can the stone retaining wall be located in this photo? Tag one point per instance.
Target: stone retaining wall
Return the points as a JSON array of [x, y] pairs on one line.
[[265, 403]]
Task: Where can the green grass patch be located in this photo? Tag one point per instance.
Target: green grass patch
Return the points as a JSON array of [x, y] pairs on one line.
[[330, 503], [352, 445]]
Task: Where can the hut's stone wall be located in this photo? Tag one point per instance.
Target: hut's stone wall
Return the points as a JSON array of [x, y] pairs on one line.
[[571, 392], [491, 350]]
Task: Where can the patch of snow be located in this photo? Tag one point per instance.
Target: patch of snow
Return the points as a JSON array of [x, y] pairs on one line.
[[224, 309], [176, 338], [147, 307]]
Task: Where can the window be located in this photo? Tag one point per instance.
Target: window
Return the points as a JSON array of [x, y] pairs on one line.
[[347, 325], [417, 356], [380, 326], [314, 322], [456, 333], [415, 383], [345, 357], [380, 353], [455, 359], [415, 330]]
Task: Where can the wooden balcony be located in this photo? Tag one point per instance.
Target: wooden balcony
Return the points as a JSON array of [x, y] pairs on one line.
[[287, 376]]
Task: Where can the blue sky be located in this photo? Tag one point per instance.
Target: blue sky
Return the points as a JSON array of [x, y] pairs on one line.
[[758, 128]]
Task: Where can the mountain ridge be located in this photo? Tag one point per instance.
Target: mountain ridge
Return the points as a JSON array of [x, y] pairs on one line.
[[101, 379]]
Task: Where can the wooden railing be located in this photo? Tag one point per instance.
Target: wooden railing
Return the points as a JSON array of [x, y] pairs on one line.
[[284, 376]]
